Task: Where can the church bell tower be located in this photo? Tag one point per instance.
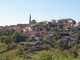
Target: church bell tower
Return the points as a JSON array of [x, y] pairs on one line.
[[30, 19]]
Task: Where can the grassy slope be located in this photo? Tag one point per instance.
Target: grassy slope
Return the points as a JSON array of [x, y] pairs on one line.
[[3, 47], [9, 54], [41, 55]]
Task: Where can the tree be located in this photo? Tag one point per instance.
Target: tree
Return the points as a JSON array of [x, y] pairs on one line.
[[40, 26], [18, 37], [11, 46], [3, 38]]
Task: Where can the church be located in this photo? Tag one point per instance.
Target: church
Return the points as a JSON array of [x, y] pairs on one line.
[[31, 21], [30, 26]]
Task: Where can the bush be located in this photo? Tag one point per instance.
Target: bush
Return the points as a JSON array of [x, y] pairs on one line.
[[11, 46], [19, 51]]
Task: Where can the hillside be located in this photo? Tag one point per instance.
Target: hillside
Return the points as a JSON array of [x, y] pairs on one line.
[[47, 40]]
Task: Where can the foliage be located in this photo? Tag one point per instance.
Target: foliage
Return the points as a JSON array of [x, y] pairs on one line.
[[17, 37], [52, 42], [3, 47], [19, 51]]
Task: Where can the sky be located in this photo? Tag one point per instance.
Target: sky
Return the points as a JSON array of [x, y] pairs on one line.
[[13, 12]]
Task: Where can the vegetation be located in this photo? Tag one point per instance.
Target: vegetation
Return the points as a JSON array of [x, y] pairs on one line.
[[48, 41]]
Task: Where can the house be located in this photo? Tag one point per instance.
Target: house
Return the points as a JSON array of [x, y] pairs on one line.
[[78, 23]]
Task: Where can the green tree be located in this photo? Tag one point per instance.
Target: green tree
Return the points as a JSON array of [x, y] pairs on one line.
[[17, 37]]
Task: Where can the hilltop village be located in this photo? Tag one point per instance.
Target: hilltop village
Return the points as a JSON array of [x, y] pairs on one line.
[[46, 29], [62, 34], [67, 24]]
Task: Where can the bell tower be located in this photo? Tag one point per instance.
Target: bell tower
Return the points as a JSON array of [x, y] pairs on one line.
[[30, 19]]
